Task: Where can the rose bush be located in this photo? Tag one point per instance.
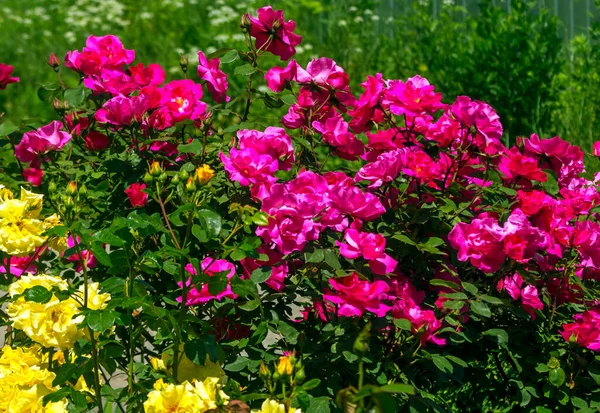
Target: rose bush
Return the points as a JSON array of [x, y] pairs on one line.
[[382, 252]]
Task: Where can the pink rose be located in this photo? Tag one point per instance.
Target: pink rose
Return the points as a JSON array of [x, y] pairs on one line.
[[480, 242], [369, 246], [216, 79], [41, 141], [5, 76], [354, 296], [199, 293], [274, 34], [136, 194]]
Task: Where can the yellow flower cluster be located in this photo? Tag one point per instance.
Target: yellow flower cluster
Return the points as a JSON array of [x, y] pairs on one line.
[[187, 369], [25, 380], [273, 406], [188, 397], [54, 323], [21, 227]]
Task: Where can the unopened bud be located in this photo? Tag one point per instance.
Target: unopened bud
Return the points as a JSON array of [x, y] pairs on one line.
[[147, 178], [300, 376], [53, 61], [71, 188], [183, 62], [175, 180], [190, 186], [155, 169], [52, 187], [264, 372], [162, 177], [83, 190], [60, 105], [285, 367], [69, 203], [245, 23], [184, 175]]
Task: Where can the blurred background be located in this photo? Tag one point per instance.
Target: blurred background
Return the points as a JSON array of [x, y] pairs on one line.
[[536, 62]]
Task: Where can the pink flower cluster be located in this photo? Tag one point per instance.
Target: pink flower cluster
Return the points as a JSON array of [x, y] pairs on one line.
[[585, 331], [198, 292]]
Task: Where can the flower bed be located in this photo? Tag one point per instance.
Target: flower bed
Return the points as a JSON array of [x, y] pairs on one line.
[[380, 252]]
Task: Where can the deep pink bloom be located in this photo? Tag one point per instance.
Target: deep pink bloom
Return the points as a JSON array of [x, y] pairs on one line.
[[335, 133], [355, 202], [355, 296], [480, 242], [248, 166], [384, 170], [514, 164], [181, 98], [136, 194], [151, 75], [198, 292], [481, 117], [34, 174], [421, 166], [586, 239], [278, 77], [413, 98], [530, 300], [596, 148], [288, 230], [99, 53], [216, 79], [41, 141], [367, 109], [521, 239], [111, 81], [274, 142], [96, 141], [531, 202], [445, 131], [273, 33], [565, 159], [88, 257], [369, 246], [19, 265], [5, 76], [118, 111], [585, 331]]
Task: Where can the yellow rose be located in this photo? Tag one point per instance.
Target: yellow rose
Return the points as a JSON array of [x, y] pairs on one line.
[[30, 401], [209, 391], [167, 398], [96, 301], [273, 406], [203, 174], [53, 324], [188, 370], [26, 282]]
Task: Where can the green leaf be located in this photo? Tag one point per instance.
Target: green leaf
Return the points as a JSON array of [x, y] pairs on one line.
[[453, 305], [238, 365], [403, 324], [542, 368], [319, 405], [311, 384], [101, 255], [454, 296], [250, 305], [444, 283], [229, 57], [64, 374], [398, 388], [196, 146], [481, 309], [7, 128], [442, 363], [107, 237], [217, 283], [195, 351], [260, 275], [38, 294], [556, 377], [289, 333], [315, 256], [101, 320], [470, 288], [75, 97], [57, 395], [499, 335], [491, 300], [244, 70], [210, 225], [403, 238]]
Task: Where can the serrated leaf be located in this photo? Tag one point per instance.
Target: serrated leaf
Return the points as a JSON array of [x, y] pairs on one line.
[[498, 334], [230, 57], [492, 300], [194, 147], [481, 309], [442, 363], [101, 320], [238, 365], [260, 275], [38, 294], [244, 70], [75, 97]]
